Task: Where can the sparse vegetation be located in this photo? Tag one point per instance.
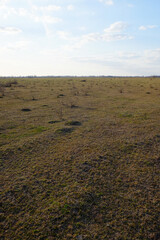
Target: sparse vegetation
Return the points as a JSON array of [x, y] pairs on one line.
[[84, 165], [1, 91], [6, 84]]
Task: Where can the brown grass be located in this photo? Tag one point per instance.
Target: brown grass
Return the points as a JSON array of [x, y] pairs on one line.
[[84, 172]]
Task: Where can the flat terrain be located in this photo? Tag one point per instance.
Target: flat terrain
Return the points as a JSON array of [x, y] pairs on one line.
[[80, 158]]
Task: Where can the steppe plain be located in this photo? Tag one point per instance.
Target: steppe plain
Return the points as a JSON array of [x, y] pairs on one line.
[[80, 158]]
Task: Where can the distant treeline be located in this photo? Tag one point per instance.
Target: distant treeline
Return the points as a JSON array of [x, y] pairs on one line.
[[71, 76]]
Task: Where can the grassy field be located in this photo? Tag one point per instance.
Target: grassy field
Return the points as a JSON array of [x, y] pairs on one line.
[[80, 158]]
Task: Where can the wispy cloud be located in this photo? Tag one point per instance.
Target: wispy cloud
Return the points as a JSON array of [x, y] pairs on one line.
[[107, 2], [38, 14], [33, 12], [41, 14], [17, 45], [12, 47], [152, 55], [47, 8], [116, 27], [64, 35], [82, 28], [115, 32], [128, 63], [10, 30], [6, 11], [130, 5], [46, 19], [3, 2], [70, 7], [143, 28]]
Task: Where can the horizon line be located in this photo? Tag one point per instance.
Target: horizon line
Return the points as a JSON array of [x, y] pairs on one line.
[[78, 76]]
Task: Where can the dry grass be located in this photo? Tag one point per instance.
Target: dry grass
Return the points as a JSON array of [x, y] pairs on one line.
[[83, 161]]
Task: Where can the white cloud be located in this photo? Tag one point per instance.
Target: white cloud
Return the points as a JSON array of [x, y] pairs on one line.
[[63, 35], [46, 19], [47, 8], [127, 55], [7, 11], [116, 27], [127, 63], [82, 28], [40, 14], [3, 2], [22, 12], [37, 14], [116, 37], [84, 39], [12, 47], [76, 42], [130, 5], [143, 28], [70, 7], [152, 26], [36, 10], [17, 45], [10, 30], [152, 55], [107, 2], [115, 32]]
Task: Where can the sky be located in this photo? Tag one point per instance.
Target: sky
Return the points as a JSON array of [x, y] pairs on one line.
[[79, 37]]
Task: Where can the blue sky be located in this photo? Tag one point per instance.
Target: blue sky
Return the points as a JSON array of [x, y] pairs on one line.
[[79, 37]]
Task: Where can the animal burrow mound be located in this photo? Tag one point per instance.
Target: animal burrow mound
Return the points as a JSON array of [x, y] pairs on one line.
[[52, 122], [64, 130], [73, 106], [73, 123], [60, 95], [25, 109]]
